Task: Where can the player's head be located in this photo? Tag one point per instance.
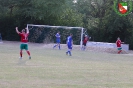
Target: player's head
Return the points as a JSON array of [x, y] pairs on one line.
[[86, 36], [59, 32], [23, 31], [71, 34], [118, 38]]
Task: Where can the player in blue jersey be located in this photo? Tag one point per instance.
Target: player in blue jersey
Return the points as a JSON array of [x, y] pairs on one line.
[[69, 44], [57, 40]]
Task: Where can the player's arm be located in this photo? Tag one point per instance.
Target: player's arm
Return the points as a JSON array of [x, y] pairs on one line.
[[17, 30], [116, 42], [27, 30], [57, 36]]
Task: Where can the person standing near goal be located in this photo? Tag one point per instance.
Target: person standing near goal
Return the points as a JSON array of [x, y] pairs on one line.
[[69, 45], [24, 41], [57, 40], [85, 39], [118, 43]]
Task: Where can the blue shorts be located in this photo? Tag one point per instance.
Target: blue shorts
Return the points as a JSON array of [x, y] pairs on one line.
[[57, 40], [69, 46]]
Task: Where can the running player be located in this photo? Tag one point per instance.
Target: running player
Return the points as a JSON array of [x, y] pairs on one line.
[[118, 43], [57, 40], [24, 41], [69, 44]]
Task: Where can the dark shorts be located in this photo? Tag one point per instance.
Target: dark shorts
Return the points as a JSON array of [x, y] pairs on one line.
[[57, 40], [84, 44], [23, 46], [69, 46]]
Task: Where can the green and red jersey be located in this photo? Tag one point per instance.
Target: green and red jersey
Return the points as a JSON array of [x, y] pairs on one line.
[[118, 43], [24, 37]]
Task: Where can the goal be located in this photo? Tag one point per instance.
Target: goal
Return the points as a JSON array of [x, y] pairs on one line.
[[46, 33]]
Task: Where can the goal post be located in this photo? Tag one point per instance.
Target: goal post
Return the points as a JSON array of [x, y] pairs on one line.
[[42, 31]]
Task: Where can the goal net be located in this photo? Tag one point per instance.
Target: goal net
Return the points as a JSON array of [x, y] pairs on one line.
[[0, 38], [46, 33]]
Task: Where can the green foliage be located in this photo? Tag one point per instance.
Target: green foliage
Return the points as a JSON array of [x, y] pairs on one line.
[[70, 17]]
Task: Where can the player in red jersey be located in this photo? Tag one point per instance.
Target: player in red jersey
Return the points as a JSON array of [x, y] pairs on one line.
[[24, 41], [86, 38], [118, 43]]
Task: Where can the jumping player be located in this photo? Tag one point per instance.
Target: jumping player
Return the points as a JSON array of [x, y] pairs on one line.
[[118, 43], [57, 40], [24, 41], [69, 44], [86, 38]]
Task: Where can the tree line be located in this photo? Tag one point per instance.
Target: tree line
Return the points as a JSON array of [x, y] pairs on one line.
[[97, 16]]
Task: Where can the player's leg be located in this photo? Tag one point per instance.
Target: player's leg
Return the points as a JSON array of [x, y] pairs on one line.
[[20, 54], [59, 45], [69, 50], [28, 52], [84, 46], [21, 48], [120, 50], [54, 46]]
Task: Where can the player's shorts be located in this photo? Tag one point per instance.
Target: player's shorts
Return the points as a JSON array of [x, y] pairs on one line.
[[84, 44], [23, 46], [119, 48], [57, 40], [69, 46]]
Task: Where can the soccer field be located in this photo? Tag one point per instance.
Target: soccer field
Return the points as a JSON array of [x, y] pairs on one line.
[[50, 68]]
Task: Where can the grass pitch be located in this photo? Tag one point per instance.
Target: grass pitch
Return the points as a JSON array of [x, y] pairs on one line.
[[50, 68]]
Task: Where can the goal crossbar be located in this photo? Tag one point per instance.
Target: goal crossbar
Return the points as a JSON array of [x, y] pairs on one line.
[[54, 26]]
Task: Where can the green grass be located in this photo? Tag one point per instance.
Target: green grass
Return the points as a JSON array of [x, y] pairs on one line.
[[50, 68]]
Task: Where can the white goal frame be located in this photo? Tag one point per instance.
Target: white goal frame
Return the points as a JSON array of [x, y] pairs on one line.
[[65, 27]]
